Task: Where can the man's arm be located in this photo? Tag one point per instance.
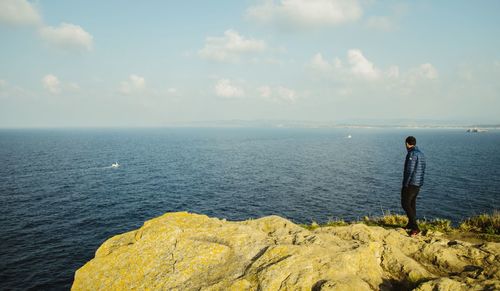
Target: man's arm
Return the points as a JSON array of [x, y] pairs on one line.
[[419, 170], [415, 168], [410, 170]]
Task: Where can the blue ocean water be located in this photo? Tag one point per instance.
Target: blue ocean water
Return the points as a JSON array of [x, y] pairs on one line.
[[60, 198]]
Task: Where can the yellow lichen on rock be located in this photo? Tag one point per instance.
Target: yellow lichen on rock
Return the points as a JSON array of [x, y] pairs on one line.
[[185, 251]]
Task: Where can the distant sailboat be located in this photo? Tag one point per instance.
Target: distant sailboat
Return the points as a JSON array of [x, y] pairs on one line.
[[349, 136]]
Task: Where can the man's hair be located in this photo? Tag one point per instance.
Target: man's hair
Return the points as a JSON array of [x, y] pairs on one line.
[[411, 140]]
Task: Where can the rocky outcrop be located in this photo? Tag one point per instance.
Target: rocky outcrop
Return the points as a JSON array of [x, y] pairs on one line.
[[185, 251]]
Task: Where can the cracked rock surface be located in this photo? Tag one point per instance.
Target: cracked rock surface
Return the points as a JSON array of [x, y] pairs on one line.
[[186, 251]]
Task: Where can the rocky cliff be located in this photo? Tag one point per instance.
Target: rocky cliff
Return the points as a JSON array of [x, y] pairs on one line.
[[186, 251]]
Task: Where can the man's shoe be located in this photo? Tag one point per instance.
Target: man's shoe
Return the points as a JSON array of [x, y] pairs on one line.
[[414, 232]]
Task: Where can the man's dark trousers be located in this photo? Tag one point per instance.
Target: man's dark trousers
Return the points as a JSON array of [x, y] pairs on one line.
[[408, 200]]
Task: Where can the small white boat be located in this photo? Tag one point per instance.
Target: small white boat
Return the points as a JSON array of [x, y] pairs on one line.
[[349, 136], [476, 130], [115, 165]]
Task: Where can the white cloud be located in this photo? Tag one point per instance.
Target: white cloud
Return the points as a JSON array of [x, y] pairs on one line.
[[308, 13], [134, 84], [337, 63], [52, 84], [379, 23], [359, 72], [230, 46], [18, 12], [286, 94], [393, 72], [225, 89], [278, 94], [319, 63], [424, 72], [137, 81], [67, 36], [361, 66], [357, 66], [417, 77], [427, 71], [55, 86]]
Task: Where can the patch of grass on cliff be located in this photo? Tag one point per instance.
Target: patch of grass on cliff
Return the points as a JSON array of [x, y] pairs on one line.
[[438, 224], [486, 226], [387, 220], [483, 223]]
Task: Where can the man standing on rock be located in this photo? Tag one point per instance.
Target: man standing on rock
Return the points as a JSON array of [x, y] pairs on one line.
[[413, 179]]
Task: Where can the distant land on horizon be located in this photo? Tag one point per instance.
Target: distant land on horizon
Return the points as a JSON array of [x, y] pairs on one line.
[[400, 123], [271, 123]]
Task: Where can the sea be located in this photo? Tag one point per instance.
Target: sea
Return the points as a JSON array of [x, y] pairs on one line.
[[61, 199]]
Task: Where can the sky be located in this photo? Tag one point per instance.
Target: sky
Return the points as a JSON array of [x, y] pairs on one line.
[[161, 63]]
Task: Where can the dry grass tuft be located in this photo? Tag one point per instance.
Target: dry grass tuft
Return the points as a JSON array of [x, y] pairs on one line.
[[483, 223], [486, 226]]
